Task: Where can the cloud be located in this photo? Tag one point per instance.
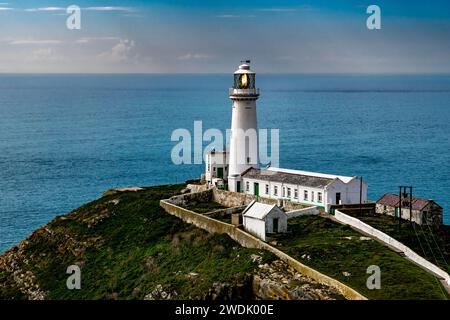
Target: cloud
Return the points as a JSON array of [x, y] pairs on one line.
[[5, 8], [234, 16], [127, 9], [43, 54], [194, 56], [303, 8], [104, 8], [45, 9], [34, 42], [278, 9], [92, 39], [121, 52], [227, 16]]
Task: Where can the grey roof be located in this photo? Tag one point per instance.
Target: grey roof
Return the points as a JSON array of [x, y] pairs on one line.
[[259, 210], [284, 177]]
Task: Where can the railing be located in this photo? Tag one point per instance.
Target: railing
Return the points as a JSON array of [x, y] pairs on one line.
[[248, 92]]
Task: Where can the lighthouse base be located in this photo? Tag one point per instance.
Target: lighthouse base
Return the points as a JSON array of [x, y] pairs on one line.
[[234, 183]]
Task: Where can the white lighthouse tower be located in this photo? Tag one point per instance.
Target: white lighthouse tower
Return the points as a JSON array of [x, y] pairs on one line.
[[244, 135]]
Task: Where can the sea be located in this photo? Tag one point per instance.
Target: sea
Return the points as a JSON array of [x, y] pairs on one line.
[[64, 139]]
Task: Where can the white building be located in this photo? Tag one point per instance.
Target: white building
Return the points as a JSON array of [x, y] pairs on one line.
[[260, 219], [216, 166], [241, 167], [309, 188], [244, 136]]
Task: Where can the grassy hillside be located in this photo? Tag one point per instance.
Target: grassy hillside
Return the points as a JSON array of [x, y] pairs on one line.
[[341, 253], [431, 243], [128, 248]]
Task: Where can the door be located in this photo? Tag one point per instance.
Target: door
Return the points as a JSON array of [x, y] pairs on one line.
[[275, 225], [256, 189], [238, 186], [338, 198], [396, 212], [220, 173]]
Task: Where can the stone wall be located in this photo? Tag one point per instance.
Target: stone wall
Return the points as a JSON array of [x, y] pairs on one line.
[[224, 212], [204, 196], [234, 199], [249, 241], [388, 240], [197, 187]]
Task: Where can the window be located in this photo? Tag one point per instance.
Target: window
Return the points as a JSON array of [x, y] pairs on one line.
[[319, 197], [312, 196], [209, 167], [267, 189], [214, 169], [306, 195], [247, 186], [284, 192], [295, 194], [289, 192], [275, 191]]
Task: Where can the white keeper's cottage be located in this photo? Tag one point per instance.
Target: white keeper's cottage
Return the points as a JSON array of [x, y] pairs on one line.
[[239, 168], [260, 219]]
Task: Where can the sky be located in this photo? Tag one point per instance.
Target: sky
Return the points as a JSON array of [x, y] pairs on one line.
[[321, 36]]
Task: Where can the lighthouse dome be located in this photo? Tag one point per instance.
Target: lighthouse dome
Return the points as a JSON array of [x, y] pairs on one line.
[[244, 68]]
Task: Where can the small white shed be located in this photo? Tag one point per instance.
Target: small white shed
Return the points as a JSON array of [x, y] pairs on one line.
[[260, 219]]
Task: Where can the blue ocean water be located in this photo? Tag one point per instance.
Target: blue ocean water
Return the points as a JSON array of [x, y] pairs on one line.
[[66, 139]]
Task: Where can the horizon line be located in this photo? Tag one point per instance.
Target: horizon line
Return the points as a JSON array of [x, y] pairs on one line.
[[231, 72]]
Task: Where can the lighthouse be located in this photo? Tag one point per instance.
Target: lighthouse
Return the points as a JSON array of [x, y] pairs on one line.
[[244, 136]]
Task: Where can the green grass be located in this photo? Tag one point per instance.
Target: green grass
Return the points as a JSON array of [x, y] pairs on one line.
[[431, 243], [322, 241], [136, 247]]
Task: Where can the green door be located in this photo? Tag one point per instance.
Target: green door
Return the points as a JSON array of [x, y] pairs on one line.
[[256, 188], [220, 173], [396, 212]]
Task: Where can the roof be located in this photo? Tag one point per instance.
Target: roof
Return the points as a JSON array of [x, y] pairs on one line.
[[296, 177], [392, 200], [344, 179], [244, 68], [258, 210]]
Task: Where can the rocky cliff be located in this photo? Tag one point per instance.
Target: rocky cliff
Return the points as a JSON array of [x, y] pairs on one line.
[[127, 247]]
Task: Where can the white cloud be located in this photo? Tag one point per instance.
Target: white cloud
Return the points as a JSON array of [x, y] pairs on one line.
[[41, 54], [278, 9], [227, 16], [34, 42], [54, 9], [302, 8], [193, 56], [121, 52], [234, 16], [92, 39], [5, 8], [128, 9], [45, 9]]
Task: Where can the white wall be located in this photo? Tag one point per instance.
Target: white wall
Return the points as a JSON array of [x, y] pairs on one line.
[[350, 192], [271, 195], [213, 161], [255, 227], [302, 212], [410, 254]]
